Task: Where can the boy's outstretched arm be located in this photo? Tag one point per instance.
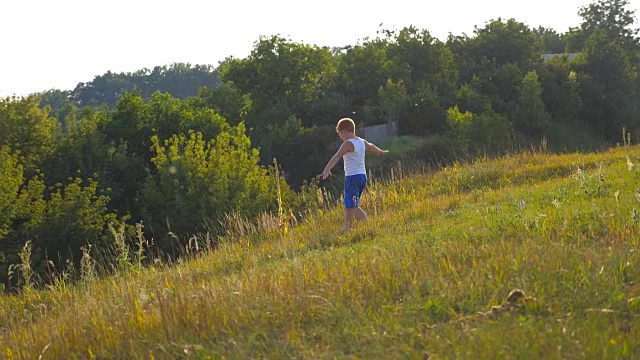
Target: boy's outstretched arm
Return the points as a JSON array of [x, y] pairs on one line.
[[344, 148], [371, 147]]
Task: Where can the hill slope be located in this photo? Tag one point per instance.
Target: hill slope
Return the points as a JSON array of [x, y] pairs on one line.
[[418, 280]]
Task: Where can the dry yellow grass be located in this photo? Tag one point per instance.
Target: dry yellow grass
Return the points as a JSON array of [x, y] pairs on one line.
[[418, 280]]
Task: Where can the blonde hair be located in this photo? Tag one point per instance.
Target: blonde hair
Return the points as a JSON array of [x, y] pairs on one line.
[[346, 124]]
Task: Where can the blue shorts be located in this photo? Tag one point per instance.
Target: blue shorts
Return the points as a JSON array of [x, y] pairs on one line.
[[354, 185]]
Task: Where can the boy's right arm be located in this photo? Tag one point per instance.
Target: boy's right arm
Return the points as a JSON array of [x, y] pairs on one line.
[[346, 147], [371, 147]]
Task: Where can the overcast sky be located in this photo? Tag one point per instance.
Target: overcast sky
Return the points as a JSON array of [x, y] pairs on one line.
[[58, 43]]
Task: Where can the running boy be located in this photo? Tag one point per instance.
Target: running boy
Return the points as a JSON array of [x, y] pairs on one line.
[[352, 151]]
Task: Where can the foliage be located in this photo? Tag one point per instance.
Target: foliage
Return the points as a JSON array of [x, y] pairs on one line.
[[196, 181], [282, 78], [486, 131], [58, 220], [225, 100], [505, 42], [393, 100], [614, 19], [75, 215], [550, 41], [608, 86], [530, 114], [11, 173], [27, 130], [469, 99], [426, 60], [180, 79], [361, 71], [58, 103], [425, 115], [301, 151], [491, 131], [459, 122], [561, 91]]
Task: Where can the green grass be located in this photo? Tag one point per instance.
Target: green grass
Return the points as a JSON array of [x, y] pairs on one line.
[[418, 280]]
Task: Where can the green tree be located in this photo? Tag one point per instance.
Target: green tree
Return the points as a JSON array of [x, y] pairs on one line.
[[179, 79], [12, 178], [85, 150], [58, 103], [550, 41], [301, 151], [28, 130], [425, 115], [490, 131], [562, 93], [362, 70], [530, 115], [134, 121], [281, 77], [225, 100], [128, 124], [393, 100], [58, 221], [609, 86], [468, 99], [463, 49], [494, 61], [124, 137], [426, 60], [500, 87], [500, 43], [614, 19], [166, 116]]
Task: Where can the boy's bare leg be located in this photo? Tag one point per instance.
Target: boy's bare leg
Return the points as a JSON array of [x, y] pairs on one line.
[[360, 214], [349, 214]]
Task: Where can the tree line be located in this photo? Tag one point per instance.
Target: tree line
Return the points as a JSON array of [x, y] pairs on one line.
[[175, 148]]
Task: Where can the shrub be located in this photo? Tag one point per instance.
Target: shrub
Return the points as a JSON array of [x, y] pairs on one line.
[[197, 181]]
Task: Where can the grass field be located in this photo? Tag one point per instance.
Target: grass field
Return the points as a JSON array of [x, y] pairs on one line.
[[427, 277]]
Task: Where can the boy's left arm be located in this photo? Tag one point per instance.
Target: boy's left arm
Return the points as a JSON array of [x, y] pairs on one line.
[[371, 147]]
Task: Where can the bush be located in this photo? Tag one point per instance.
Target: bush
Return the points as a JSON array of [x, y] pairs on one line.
[[490, 130], [197, 181], [75, 215], [530, 114], [424, 115], [12, 178], [59, 221]]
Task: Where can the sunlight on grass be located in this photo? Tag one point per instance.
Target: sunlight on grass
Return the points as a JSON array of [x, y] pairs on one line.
[[419, 279]]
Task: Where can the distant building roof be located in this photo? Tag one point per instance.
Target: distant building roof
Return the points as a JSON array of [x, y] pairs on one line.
[[570, 56]]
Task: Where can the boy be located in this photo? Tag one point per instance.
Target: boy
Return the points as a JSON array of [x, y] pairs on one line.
[[352, 151]]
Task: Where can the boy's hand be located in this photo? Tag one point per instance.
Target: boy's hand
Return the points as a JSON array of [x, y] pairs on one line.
[[382, 152], [325, 174]]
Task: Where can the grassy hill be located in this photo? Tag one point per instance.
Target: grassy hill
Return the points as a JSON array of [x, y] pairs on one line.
[[429, 276]]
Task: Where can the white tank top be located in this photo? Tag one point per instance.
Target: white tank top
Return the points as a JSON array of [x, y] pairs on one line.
[[354, 161]]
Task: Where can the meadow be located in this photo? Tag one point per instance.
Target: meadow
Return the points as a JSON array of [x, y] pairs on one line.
[[532, 255]]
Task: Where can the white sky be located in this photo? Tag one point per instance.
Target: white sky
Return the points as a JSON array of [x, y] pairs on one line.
[[49, 44]]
